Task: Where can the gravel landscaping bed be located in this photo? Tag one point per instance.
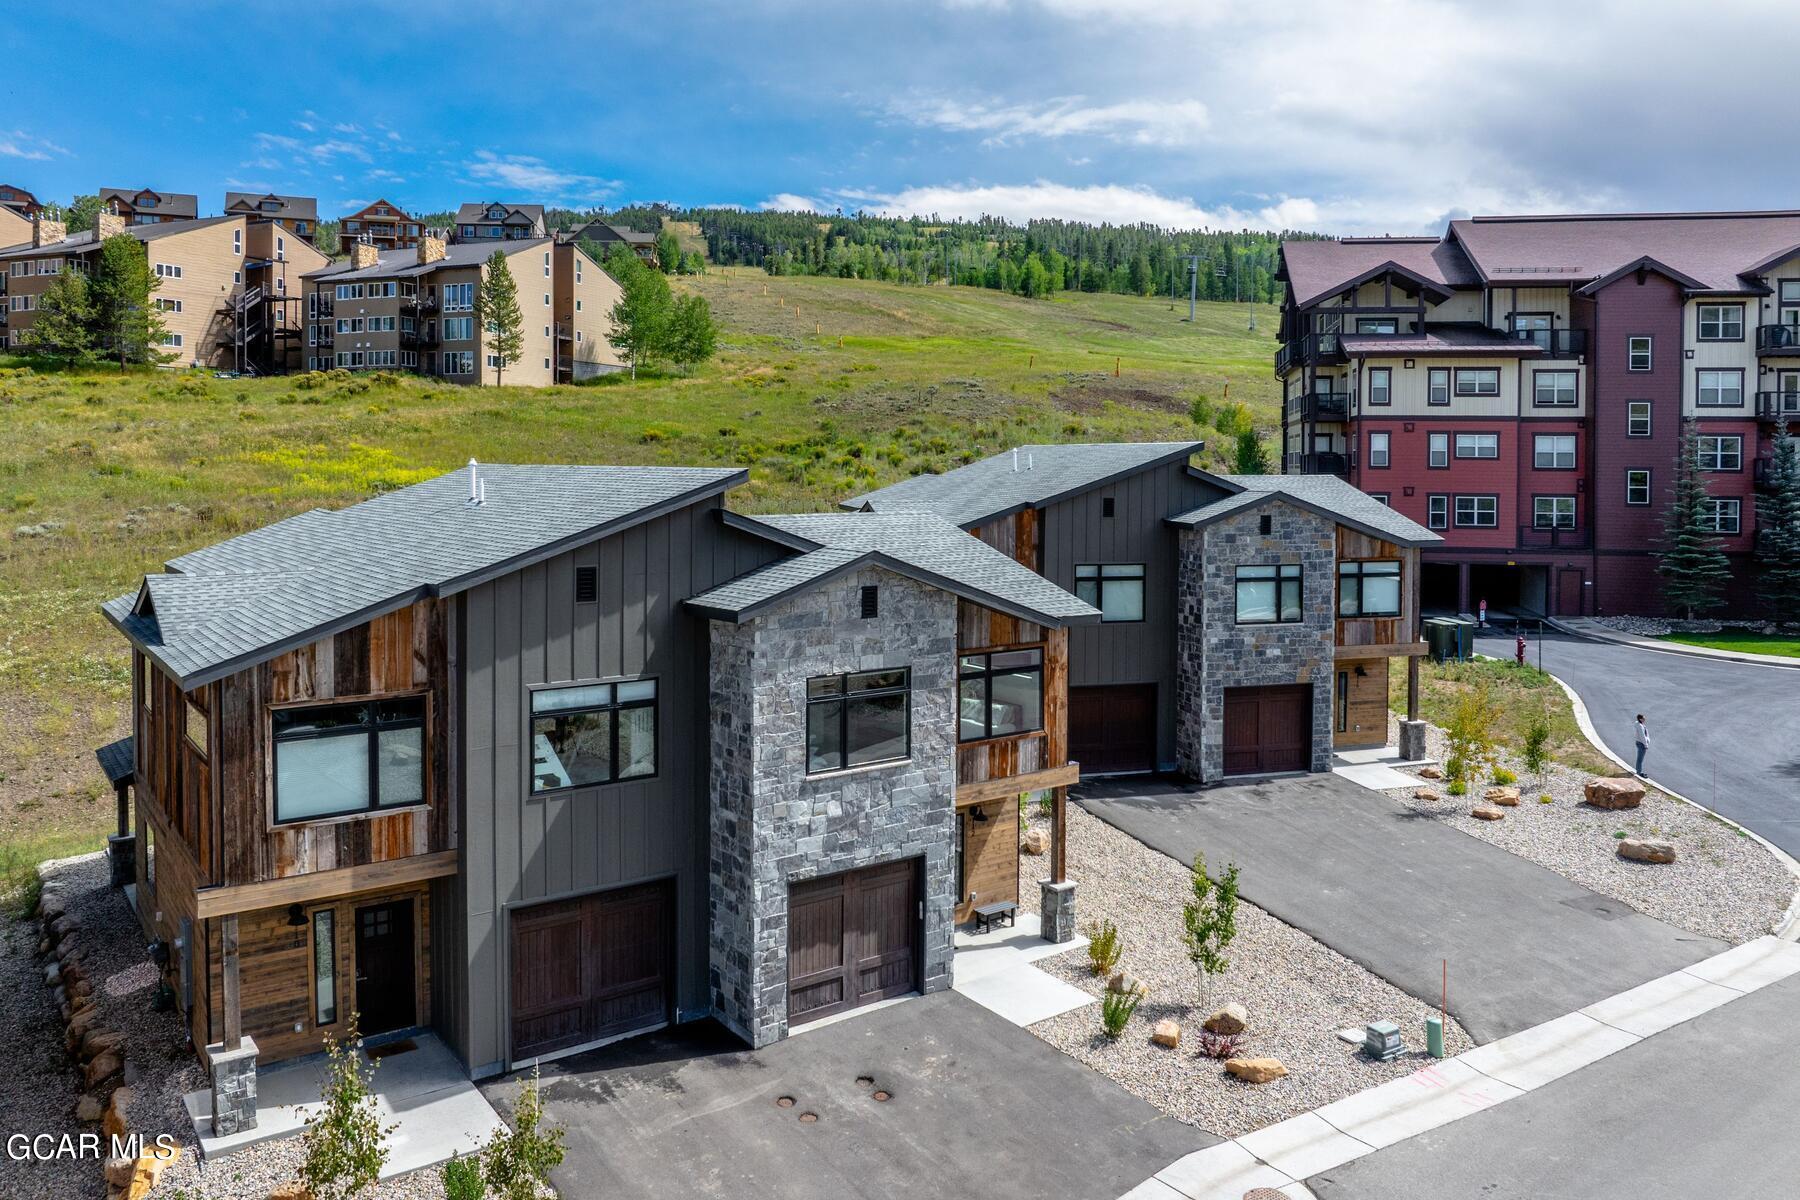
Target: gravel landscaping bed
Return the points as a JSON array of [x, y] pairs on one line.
[[44, 1083], [1298, 993], [1722, 884]]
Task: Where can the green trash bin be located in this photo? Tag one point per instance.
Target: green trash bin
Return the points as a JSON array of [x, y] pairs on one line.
[[1440, 638]]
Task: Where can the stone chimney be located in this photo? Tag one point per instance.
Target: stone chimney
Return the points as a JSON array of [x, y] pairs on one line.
[[108, 224], [364, 255], [45, 232], [431, 249]]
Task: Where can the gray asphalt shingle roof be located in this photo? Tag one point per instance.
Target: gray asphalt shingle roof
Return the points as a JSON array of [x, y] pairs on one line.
[[918, 545], [227, 606], [994, 487], [118, 759], [85, 240], [401, 264], [1323, 493]]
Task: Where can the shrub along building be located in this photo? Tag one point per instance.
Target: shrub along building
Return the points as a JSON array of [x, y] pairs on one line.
[[1520, 384], [536, 757], [1248, 621], [414, 310]]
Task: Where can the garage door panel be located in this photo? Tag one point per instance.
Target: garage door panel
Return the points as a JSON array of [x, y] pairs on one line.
[[1267, 729], [590, 968], [1113, 729], [852, 939]]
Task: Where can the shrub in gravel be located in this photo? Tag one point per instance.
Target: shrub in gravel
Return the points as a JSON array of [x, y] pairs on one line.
[[344, 1142], [1103, 946], [1457, 788], [462, 1179], [1116, 1009], [1503, 777], [1209, 922], [517, 1162], [1220, 1045], [1546, 798]]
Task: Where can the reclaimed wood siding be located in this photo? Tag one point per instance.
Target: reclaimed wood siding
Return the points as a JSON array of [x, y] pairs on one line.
[[174, 777], [990, 855], [1004, 757], [1353, 546], [402, 652]]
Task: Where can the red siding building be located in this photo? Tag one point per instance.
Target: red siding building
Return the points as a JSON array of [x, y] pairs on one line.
[[1520, 384]]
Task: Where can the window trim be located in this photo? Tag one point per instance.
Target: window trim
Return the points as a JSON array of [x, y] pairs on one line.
[[843, 700], [986, 675], [1455, 510], [1737, 515], [1387, 449], [1649, 411], [312, 965], [1280, 578], [1645, 472], [1700, 323], [1456, 444], [1574, 452], [1456, 382], [376, 808], [1574, 510], [1432, 376], [1700, 372], [1431, 451], [654, 703], [1574, 400], [1358, 573], [1387, 387], [1699, 452], [1432, 520], [1631, 351], [1100, 578]]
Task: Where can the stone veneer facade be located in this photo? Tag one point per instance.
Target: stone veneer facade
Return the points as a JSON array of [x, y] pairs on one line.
[[772, 824], [1216, 653]]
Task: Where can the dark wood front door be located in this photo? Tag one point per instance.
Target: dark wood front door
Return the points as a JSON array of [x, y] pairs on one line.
[[385, 996], [1112, 729], [1268, 729], [852, 940], [1568, 592], [590, 969]]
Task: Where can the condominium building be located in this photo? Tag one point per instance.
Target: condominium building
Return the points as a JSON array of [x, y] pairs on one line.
[[608, 235], [1519, 386], [498, 221], [299, 215], [384, 225], [147, 206], [17, 208], [414, 310], [198, 266]]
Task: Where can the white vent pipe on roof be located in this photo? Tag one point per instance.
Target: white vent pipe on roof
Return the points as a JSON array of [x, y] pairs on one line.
[[474, 482], [1015, 459]]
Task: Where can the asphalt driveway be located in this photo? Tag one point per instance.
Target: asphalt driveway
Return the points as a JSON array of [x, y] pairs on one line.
[[1721, 733], [978, 1107], [1401, 893], [1703, 1109]]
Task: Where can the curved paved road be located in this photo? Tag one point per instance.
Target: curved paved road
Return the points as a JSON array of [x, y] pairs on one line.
[[1724, 734]]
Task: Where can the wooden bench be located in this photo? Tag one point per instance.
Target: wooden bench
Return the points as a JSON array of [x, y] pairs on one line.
[[988, 914]]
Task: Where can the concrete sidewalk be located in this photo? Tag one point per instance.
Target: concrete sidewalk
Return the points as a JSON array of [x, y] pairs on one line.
[[1400, 894], [1587, 627]]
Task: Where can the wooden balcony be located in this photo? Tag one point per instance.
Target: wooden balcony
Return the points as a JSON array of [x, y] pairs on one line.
[[1325, 406], [1555, 343], [1778, 339], [1778, 406], [1554, 537]]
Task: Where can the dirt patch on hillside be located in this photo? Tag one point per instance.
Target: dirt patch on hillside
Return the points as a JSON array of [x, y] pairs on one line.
[[1093, 391]]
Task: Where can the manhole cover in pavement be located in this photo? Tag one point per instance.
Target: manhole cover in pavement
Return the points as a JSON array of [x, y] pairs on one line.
[[784, 1102], [881, 1095], [810, 1118], [865, 1081], [1264, 1194]]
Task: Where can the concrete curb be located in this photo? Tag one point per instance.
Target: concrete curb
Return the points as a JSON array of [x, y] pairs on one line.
[[1788, 927], [1599, 633]]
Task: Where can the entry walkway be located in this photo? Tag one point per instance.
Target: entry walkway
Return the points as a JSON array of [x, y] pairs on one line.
[[995, 969], [1401, 894]]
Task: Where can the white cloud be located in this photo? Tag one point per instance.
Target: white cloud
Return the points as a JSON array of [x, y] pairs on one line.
[[17, 143], [792, 202], [525, 173], [1139, 122]]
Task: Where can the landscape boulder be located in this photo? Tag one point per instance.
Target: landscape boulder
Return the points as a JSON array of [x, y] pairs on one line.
[[1430, 773], [97, 1041], [119, 1171], [1167, 1033], [1126, 983], [1615, 793], [1230, 1020], [88, 1109], [1255, 1070], [291, 1191], [1427, 795], [102, 1068], [1482, 812], [1506, 797], [1037, 842], [117, 1109], [1649, 850], [147, 1171]]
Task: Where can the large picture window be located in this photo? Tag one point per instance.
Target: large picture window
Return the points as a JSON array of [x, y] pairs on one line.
[[1478, 445], [1000, 693], [592, 733], [1477, 512], [1721, 452], [1116, 589], [1719, 389], [1721, 322], [334, 760], [1369, 589], [1553, 389], [1553, 512], [1269, 595], [1477, 381], [858, 720]]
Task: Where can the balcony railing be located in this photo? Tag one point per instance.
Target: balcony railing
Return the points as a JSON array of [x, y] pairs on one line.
[[1313, 347], [1778, 406], [325, 337], [1555, 343], [1545, 537], [1324, 462], [418, 338], [423, 304], [1778, 339]]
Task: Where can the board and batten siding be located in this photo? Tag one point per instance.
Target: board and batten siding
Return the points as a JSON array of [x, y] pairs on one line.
[[519, 848], [1073, 532]]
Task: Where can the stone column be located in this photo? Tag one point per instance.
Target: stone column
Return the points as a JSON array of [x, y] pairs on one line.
[[233, 1087], [1057, 906], [1412, 740]]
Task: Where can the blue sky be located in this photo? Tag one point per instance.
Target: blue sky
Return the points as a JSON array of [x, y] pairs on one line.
[[1383, 116]]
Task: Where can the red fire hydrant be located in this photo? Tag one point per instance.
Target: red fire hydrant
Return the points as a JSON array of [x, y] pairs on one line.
[[1519, 650]]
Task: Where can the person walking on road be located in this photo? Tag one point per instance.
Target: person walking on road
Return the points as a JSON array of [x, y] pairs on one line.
[[1643, 742]]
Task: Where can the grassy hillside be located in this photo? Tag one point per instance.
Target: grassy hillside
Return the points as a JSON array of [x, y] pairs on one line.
[[822, 388]]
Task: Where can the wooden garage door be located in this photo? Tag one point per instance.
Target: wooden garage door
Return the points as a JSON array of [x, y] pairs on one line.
[[852, 940], [1268, 729], [591, 968], [1113, 729]]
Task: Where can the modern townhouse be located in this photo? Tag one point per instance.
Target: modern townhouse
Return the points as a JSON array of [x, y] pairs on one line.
[[608, 235], [298, 215], [496, 221], [18, 208], [198, 265], [1248, 622], [147, 206], [382, 224], [414, 310], [1519, 385], [540, 757]]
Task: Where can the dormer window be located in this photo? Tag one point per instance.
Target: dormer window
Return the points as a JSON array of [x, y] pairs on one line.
[[271, 206], [145, 200], [496, 212]]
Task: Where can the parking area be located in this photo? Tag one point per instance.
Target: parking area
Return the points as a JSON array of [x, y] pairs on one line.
[[975, 1106], [1402, 895]]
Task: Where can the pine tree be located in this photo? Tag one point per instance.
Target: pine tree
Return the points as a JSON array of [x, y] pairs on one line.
[[497, 313], [1694, 567], [1778, 541], [65, 320], [126, 325]]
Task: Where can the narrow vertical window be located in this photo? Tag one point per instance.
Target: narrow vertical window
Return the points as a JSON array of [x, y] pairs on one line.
[[324, 923]]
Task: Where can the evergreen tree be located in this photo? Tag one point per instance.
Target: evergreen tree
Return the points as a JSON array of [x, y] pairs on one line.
[[497, 313], [126, 325], [64, 328], [1694, 567], [80, 212], [1778, 542], [1248, 454]]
